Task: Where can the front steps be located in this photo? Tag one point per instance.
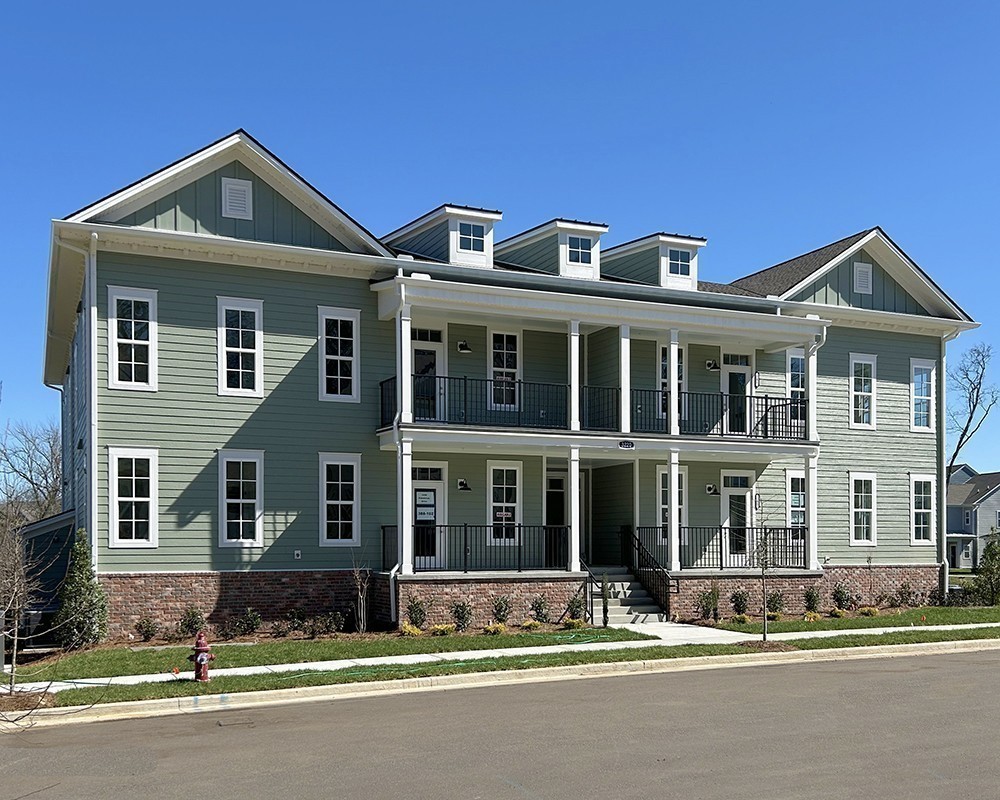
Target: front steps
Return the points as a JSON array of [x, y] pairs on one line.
[[629, 603]]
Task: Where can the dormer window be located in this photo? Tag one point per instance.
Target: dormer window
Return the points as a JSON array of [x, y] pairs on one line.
[[471, 237], [679, 262], [580, 248]]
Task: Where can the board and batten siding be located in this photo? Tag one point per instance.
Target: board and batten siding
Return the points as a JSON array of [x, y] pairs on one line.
[[189, 422], [197, 208]]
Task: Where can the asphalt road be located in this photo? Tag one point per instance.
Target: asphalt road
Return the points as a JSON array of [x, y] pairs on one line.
[[919, 727]]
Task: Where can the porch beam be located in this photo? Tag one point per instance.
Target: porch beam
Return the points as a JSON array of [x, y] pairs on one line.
[[811, 464], [673, 406], [625, 377], [575, 522], [674, 511], [574, 375], [405, 349], [405, 506]]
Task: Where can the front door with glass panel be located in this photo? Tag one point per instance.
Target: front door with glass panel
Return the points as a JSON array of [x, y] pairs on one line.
[[736, 388], [429, 540], [429, 381], [737, 512]]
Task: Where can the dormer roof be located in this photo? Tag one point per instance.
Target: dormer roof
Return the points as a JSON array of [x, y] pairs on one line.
[[552, 226], [436, 214]]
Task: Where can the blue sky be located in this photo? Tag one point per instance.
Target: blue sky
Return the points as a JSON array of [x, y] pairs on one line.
[[770, 128]]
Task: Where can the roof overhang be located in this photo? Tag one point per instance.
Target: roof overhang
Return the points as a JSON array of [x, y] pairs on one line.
[[547, 229], [440, 213], [921, 325], [653, 240]]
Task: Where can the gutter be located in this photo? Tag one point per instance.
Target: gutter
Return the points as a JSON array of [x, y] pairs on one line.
[[92, 400]]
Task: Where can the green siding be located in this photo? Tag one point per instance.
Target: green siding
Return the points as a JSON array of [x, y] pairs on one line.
[[197, 208], [602, 358], [546, 357], [432, 242], [189, 422], [611, 507], [641, 267], [541, 255], [645, 373], [837, 288]]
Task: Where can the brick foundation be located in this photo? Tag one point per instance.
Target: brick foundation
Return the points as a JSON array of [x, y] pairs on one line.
[[872, 584], [165, 595]]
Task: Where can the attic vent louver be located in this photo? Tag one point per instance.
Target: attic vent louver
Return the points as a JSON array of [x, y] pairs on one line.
[[237, 198], [862, 277]]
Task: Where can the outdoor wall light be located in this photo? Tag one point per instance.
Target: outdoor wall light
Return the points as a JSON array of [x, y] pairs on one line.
[[463, 485], [711, 488], [463, 346], [712, 365]]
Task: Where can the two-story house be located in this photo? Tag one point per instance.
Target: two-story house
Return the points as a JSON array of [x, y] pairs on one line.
[[259, 395], [973, 514]]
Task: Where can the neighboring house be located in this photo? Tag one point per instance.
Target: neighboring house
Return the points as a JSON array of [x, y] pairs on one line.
[[973, 514], [259, 394]]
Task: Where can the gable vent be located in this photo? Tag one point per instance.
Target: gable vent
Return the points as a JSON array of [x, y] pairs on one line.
[[862, 278], [237, 198]]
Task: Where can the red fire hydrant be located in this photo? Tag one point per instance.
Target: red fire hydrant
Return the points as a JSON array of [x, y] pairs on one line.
[[201, 657]]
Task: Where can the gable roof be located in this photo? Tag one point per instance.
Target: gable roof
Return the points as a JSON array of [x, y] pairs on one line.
[[973, 491]]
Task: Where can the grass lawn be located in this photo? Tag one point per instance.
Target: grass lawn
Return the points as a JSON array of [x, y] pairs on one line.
[[930, 615], [104, 662], [235, 684]]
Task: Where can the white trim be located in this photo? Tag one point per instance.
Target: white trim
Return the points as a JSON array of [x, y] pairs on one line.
[[790, 353], [862, 476], [914, 541], [226, 196], [116, 293], [682, 471], [801, 475], [91, 363], [256, 456], [435, 217], [354, 460], [674, 386], [651, 241], [724, 492], [152, 454], [518, 504], [923, 363], [547, 229], [352, 315], [862, 358], [860, 270], [490, 333], [967, 519], [240, 304], [441, 560]]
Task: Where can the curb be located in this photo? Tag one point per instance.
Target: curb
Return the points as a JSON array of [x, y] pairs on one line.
[[249, 700]]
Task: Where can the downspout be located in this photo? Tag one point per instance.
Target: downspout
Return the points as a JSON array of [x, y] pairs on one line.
[[943, 477], [92, 378]]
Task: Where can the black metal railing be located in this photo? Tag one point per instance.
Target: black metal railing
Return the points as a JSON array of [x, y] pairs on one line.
[[650, 411], [734, 415], [501, 547], [493, 403], [599, 408], [741, 548], [390, 547], [649, 571], [387, 397]]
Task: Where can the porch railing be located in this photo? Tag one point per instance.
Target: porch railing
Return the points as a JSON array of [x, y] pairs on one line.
[[387, 396], [502, 547], [390, 547], [489, 402], [649, 571], [738, 548], [739, 415], [599, 408]]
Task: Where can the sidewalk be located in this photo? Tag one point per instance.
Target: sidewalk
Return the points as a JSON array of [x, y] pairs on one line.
[[667, 633]]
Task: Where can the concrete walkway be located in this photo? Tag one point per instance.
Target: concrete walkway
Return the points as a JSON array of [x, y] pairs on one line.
[[667, 633]]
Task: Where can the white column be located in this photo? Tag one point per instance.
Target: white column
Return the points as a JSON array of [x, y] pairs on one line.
[[405, 484], [574, 375], [575, 523], [625, 377], [673, 407], [675, 515], [812, 517], [811, 391], [405, 366]]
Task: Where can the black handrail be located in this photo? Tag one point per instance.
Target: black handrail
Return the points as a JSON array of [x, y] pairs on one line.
[[650, 573], [599, 408], [390, 547], [387, 398], [500, 547], [750, 416], [489, 402], [588, 584]]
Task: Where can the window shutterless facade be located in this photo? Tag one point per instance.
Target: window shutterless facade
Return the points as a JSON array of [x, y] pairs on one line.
[[132, 339], [922, 380], [340, 499], [678, 262], [133, 495], [968, 518], [663, 487], [505, 501], [471, 237], [666, 386], [796, 503], [504, 371], [339, 354], [863, 377], [796, 372], [863, 508], [241, 347], [241, 498], [922, 507], [580, 249]]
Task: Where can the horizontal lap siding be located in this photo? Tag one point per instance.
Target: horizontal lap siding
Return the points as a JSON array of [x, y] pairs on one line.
[[542, 255], [432, 243], [602, 358], [189, 422], [642, 267]]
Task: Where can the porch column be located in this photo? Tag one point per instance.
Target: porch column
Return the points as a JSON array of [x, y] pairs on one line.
[[812, 516], [575, 526], [405, 366], [811, 392], [673, 407], [625, 377], [574, 375], [674, 510], [405, 516]]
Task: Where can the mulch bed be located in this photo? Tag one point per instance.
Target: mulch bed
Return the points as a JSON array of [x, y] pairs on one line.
[[768, 647], [26, 701]]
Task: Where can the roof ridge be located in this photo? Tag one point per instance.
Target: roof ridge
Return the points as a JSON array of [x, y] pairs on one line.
[[807, 253]]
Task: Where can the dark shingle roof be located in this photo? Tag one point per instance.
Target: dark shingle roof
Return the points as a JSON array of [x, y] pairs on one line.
[[781, 277], [726, 288], [974, 490]]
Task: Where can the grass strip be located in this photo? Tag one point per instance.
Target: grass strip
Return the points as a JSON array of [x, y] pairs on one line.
[[930, 615]]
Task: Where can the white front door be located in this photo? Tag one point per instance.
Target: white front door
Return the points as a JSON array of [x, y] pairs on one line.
[[736, 390], [429, 381], [736, 518], [430, 538]]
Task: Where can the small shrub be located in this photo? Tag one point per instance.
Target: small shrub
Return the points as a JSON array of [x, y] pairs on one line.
[[837, 613], [297, 619], [147, 628], [494, 629], [812, 616], [416, 612], [540, 608], [227, 629], [811, 600], [324, 624], [576, 608], [740, 619], [904, 595], [531, 625], [868, 611], [740, 601], [248, 622], [280, 629], [707, 603], [410, 630], [574, 624], [462, 614], [82, 618], [501, 608], [773, 616], [442, 630], [841, 597], [775, 602], [192, 622]]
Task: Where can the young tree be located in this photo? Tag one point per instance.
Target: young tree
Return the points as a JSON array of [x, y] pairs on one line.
[[973, 397]]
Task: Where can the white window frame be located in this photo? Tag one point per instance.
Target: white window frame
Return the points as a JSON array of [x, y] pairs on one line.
[[690, 260], [862, 476], [675, 385], [237, 183], [151, 453], [915, 364], [472, 237], [797, 474], [863, 358], [116, 293], [664, 469], [859, 268], [518, 505], [790, 353], [914, 477], [257, 456], [354, 460], [352, 315], [580, 249], [240, 304], [490, 333], [967, 518]]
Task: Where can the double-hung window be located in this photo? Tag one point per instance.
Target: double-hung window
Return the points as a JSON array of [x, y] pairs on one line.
[[340, 499], [922, 509], [132, 479], [505, 501], [580, 249], [241, 498], [663, 474], [132, 350], [679, 262], [504, 371], [863, 391], [921, 395], [797, 385], [863, 508], [241, 347], [471, 237], [339, 354], [797, 505], [967, 519]]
